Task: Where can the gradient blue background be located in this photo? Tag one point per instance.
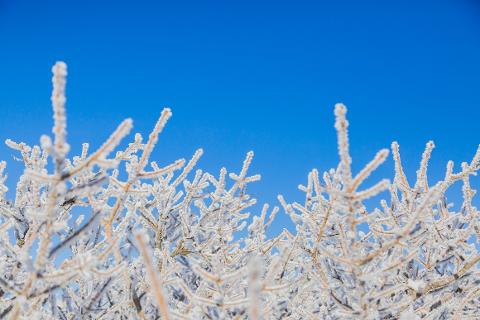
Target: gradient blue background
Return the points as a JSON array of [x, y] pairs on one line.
[[250, 75]]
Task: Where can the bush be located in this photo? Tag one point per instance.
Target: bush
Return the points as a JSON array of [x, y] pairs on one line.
[[81, 243]]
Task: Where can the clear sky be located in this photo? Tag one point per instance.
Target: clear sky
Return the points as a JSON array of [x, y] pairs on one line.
[[250, 75]]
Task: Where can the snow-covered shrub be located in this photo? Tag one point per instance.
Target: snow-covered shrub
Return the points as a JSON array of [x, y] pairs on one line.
[[79, 242]]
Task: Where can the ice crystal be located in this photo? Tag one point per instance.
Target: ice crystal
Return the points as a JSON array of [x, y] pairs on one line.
[[80, 242]]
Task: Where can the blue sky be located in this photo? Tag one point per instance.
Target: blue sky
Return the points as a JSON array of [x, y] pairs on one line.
[[250, 75]]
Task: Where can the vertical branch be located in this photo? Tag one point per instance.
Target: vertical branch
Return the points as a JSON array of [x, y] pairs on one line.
[[240, 179], [60, 150], [3, 187], [153, 138], [254, 288], [152, 276], [399, 174], [341, 125], [422, 171], [58, 99]]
